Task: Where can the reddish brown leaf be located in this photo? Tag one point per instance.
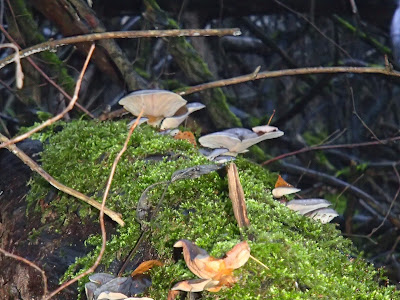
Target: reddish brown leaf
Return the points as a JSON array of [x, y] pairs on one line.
[[145, 266], [280, 182], [237, 256], [186, 135], [215, 273]]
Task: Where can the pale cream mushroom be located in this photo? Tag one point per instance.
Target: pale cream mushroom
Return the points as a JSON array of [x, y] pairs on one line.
[[181, 115], [316, 209], [304, 206], [236, 140], [281, 191], [156, 104], [324, 215]]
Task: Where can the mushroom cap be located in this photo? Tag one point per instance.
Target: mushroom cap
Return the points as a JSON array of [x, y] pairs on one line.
[[236, 140], [156, 104], [279, 192], [264, 129], [177, 119], [305, 206], [324, 215]]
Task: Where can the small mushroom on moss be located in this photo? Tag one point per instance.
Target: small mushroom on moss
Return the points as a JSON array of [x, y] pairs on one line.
[[181, 115], [283, 188], [236, 140], [317, 209], [156, 104]]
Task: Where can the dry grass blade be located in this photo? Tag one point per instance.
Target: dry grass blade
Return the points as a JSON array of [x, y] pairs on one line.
[[236, 195]]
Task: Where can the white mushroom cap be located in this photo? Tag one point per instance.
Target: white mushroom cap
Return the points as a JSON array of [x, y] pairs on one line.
[[236, 140], [324, 215], [264, 129], [304, 206], [281, 191], [156, 104], [177, 119]]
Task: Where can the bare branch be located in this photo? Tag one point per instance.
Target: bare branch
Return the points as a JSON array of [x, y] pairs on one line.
[[120, 35], [287, 72]]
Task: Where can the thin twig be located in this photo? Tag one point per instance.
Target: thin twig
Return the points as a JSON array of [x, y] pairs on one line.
[[101, 216], [324, 147], [51, 81], [258, 261], [60, 115], [31, 264], [287, 72], [121, 35]]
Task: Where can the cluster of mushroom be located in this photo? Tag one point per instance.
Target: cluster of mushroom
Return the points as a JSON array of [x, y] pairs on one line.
[[316, 209], [167, 110]]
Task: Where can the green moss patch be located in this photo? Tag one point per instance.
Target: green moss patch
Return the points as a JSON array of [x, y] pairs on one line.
[[306, 260]]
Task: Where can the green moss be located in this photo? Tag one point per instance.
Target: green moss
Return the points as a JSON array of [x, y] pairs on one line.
[[306, 260]]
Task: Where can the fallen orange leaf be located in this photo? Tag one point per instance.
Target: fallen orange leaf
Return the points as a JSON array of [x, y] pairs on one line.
[[280, 182], [145, 266], [186, 135], [214, 273]]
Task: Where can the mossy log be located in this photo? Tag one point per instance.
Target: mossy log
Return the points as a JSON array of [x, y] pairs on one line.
[[306, 260]]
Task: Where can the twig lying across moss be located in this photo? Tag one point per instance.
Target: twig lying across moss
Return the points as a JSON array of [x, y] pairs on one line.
[[58, 185]]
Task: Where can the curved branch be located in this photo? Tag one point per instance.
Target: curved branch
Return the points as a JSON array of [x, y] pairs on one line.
[[288, 72], [49, 45]]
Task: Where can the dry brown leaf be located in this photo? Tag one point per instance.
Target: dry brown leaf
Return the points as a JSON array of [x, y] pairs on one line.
[[237, 256], [145, 266], [236, 195], [195, 285], [280, 182], [215, 273], [186, 135]]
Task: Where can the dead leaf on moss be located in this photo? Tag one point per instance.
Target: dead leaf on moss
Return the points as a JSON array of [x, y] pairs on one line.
[[186, 135], [214, 273], [145, 266]]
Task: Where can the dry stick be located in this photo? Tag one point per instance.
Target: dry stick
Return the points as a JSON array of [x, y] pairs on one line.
[[324, 147], [58, 185], [30, 60], [287, 72], [391, 204], [120, 35], [60, 115], [31, 264], [101, 216]]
